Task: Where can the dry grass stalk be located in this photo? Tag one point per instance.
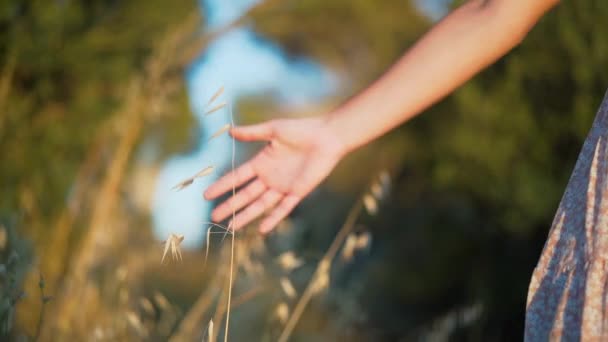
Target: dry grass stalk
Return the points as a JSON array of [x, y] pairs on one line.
[[195, 318], [245, 297], [232, 242]]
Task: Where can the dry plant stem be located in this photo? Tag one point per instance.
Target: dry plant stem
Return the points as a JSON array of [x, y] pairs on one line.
[[221, 308], [331, 252], [233, 238], [245, 297], [190, 323]]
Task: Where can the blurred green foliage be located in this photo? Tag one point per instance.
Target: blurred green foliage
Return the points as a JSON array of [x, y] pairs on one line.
[[68, 63], [476, 179]]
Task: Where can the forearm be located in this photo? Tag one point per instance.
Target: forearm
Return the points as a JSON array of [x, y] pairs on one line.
[[465, 42]]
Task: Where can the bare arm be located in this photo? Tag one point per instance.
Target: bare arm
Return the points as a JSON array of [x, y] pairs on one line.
[[469, 39], [302, 152]]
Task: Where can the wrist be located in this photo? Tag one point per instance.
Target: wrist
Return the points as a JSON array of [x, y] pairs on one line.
[[340, 131]]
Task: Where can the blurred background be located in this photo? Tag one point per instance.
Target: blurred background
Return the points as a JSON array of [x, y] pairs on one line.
[[430, 233]]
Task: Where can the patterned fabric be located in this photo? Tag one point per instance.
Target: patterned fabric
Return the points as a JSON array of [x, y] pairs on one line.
[[569, 287]]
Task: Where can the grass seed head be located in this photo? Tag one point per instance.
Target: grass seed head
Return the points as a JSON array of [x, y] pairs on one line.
[[215, 109], [371, 205], [173, 243], [220, 131], [282, 312], [288, 261], [215, 95], [288, 288]]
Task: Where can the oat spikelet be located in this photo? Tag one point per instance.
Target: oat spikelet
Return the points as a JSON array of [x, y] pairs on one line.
[[289, 261], [220, 131], [210, 335], [216, 108], [183, 184], [167, 246], [385, 179], [147, 306], [161, 301], [172, 243], [321, 281], [288, 288], [136, 324], [204, 172], [207, 246], [355, 243], [187, 182], [363, 241], [349, 247], [371, 205], [377, 191], [282, 312], [215, 96]]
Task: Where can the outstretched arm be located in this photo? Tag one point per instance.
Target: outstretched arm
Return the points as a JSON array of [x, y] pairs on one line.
[[302, 152], [468, 40]]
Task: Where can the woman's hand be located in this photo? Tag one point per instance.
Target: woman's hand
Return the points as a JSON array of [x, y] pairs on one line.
[[299, 155]]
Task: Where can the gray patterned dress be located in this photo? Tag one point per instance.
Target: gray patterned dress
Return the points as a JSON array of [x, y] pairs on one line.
[[567, 298]]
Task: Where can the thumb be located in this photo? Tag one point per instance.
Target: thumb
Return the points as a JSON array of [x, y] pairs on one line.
[[263, 131]]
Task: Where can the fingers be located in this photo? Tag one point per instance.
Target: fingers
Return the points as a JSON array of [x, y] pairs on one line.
[[233, 179], [279, 213], [268, 200], [239, 200], [257, 132]]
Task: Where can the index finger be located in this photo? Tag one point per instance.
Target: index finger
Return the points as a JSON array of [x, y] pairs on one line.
[[231, 180]]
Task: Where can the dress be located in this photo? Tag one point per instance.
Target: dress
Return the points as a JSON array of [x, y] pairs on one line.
[[569, 288]]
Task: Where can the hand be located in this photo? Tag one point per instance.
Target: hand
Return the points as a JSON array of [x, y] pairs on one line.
[[300, 153]]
